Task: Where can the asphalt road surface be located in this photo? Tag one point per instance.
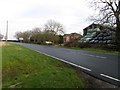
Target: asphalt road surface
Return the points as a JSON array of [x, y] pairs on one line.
[[99, 65]]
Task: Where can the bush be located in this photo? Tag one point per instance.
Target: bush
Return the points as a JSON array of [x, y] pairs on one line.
[[84, 45], [72, 44]]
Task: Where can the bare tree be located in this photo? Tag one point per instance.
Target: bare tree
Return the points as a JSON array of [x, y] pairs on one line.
[[25, 35], [50, 36], [54, 27], [109, 13], [19, 35], [50, 32], [35, 35]]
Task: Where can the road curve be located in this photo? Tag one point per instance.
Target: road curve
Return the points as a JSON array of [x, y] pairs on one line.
[[102, 66]]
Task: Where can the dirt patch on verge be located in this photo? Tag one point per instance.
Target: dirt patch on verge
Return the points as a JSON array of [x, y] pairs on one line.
[[3, 43]]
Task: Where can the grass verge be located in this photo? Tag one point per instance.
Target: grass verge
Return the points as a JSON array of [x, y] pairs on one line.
[[25, 68]]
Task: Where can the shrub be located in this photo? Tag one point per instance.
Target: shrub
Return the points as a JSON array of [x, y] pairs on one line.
[[84, 45]]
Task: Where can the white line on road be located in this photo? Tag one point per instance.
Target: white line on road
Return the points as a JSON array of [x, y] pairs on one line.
[[93, 55], [110, 77], [77, 65], [101, 57], [63, 60], [67, 62]]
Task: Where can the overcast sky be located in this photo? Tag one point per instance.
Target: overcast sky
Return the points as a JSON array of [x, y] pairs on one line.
[[27, 14]]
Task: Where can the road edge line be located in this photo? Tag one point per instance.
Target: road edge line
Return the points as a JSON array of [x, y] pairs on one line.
[[110, 77], [64, 61], [61, 59]]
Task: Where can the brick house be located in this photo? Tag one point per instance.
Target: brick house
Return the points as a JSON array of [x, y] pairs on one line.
[[71, 37]]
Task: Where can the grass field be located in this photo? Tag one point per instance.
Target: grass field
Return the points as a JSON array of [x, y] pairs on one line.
[[24, 68]]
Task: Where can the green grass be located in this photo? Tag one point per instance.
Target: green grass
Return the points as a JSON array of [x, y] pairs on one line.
[[30, 69]]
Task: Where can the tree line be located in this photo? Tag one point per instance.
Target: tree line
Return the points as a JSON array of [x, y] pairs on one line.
[[52, 32]]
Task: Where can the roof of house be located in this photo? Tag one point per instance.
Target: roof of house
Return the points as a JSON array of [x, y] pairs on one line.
[[74, 33], [66, 34], [71, 34]]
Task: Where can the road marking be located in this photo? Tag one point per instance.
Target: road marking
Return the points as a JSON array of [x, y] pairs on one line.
[[93, 55], [110, 77], [63, 60], [101, 57], [66, 61]]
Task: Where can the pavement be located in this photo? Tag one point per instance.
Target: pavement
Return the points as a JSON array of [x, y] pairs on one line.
[[100, 65]]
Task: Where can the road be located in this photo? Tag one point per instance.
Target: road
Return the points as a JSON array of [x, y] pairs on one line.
[[99, 65]]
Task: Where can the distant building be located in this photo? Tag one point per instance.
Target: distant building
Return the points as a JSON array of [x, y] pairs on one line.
[[99, 36], [71, 37], [93, 26]]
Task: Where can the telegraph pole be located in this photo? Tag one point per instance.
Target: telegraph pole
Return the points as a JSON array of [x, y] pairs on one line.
[[6, 31]]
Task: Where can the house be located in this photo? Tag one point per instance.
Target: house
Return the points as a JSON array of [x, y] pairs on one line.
[[71, 37]]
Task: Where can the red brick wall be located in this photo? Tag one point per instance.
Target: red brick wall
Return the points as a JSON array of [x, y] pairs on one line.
[[71, 37]]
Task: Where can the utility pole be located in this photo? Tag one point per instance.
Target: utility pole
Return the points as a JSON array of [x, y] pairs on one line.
[[6, 31]]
